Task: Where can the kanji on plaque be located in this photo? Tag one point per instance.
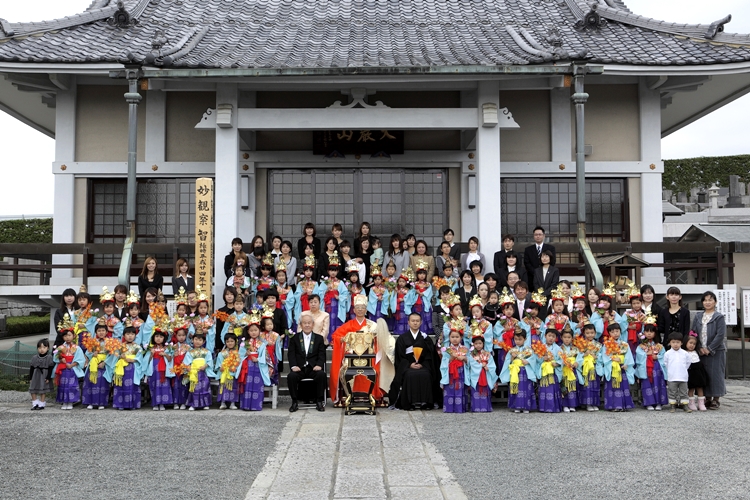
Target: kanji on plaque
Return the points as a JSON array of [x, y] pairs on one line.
[[204, 233]]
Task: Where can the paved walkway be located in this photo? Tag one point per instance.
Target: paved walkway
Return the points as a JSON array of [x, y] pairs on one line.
[[320, 455]]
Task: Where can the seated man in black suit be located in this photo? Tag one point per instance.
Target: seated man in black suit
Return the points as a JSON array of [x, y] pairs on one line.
[[532, 253], [307, 359]]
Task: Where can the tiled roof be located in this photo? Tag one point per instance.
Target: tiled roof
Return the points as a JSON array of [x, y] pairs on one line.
[[365, 33]]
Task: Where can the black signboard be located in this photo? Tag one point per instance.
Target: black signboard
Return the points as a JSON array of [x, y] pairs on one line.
[[363, 142]]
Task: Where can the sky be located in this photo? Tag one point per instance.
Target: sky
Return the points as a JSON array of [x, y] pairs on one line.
[[28, 154]]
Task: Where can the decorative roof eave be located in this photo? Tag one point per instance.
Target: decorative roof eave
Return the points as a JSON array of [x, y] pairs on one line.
[[674, 70], [61, 68], [553, 69]]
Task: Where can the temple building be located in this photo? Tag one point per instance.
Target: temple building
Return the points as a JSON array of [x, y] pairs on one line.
[[413, 115]]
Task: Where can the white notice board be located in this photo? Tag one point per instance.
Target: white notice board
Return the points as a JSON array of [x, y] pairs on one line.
[[726, 304], [746, 307]]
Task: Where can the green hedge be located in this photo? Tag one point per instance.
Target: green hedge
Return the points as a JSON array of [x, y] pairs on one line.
[[683, 175], [27, 325], [26, 231]]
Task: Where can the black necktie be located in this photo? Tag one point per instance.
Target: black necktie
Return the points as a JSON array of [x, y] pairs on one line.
[[539, 251]]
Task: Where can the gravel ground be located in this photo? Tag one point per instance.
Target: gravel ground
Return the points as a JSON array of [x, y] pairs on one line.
[[133, 454], [638, 454]]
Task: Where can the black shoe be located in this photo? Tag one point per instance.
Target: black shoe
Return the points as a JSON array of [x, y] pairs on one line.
[[35, 407], [319, 406], [294, 407]]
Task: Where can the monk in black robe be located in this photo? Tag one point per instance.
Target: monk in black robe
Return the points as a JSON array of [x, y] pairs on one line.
[[412, 386]]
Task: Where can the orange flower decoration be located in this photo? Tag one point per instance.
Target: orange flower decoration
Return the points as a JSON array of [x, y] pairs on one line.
[[539, 348]]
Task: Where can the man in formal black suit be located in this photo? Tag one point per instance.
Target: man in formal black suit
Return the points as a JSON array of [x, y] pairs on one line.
[[532, 253], [521, 291], [498, 261], [307, 359]]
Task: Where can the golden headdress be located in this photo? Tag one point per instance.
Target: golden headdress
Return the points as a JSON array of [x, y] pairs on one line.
[[559, 294], [133, 298], [375, 270], [181, 297], [476, 300], [267, 260], [609, 290], [539, 298], [650, 319], [254, 317], [421, 265], [66, 324], [281, 266], [458, 324], [310, 262], [106, 295], [83, 289], [408, 274], [633, 291], [267, 311], [360, 300], [452, 300], [476, 331], [200, 294], [506, 297], [576, 291], [352, 268], [333, 260]]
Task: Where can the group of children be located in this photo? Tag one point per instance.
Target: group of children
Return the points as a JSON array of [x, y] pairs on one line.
[[558, 365]]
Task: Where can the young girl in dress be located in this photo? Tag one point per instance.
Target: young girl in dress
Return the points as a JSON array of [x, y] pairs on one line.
[[505, 328], [236, 322], [273, 346], [69, 358], [203, 321], [477, 321], [616, 367], [158, 364], [132, 316], [111, 320], [390, 281], [125, 371], [559, 318], [454, 321], [571, 360], [227, 370], [649, 368], [40, 375], [355, 286], [482, 375], [530, 320], [180, 379], [335, 295], [697, 376], [95, 385], [605, 315], [549, 372], [286, 300], [200, 361], [265, 281], [254, 368], [305, 287], [590, 388], [635, 318], [454, 371], [241, 282], [423, 304], [377, 300], [519, 370], [402, 301]]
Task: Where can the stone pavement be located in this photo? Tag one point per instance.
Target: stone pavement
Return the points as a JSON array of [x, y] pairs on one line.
[[320, 455]]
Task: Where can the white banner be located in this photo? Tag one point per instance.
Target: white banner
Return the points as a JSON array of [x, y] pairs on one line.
[[746, 307], [726, 304]]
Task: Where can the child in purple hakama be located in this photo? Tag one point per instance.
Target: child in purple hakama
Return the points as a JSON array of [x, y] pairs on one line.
[[124, 371], [454, 374], [649, 368], [229, 391], [519, 371], [254, 369], [69, 358], [158, 364], [200, 362], [616, 366], [589, 390], [549, 372], [95, 385], [482, 375]]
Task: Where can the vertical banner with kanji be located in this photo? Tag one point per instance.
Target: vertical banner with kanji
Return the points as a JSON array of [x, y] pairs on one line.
[[204, 233]]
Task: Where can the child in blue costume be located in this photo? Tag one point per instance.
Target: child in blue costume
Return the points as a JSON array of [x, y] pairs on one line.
[[287, 299], [180, 380], [519, 371], [635, 319], [335, 296], [571, 380], [203, 322], [253, 375], [95, 386], [355, 287], [125, 371], [604, 316], [482, 375], [69, 358], [616, 366], [236, 322], [402, 301], [454, 374], [226, 374], [549, 373], [423, 303], [478, 322], [650, 369], [379, 297], [157, 361], [390, 280], [200, 361], [589, 391]]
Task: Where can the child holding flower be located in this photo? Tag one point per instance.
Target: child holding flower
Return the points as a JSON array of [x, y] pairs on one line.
[[482, 375], [649, 368], [589, 349], [254, 369], [454, 373], [158, 363], [378, 297], [124, 370], [200, 361], [179, 371], [227, 370], [519, 370], [616, 366], [571, 359], [95, 386], [505, 328], [636, 319], [549, 372], [69, 358]]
